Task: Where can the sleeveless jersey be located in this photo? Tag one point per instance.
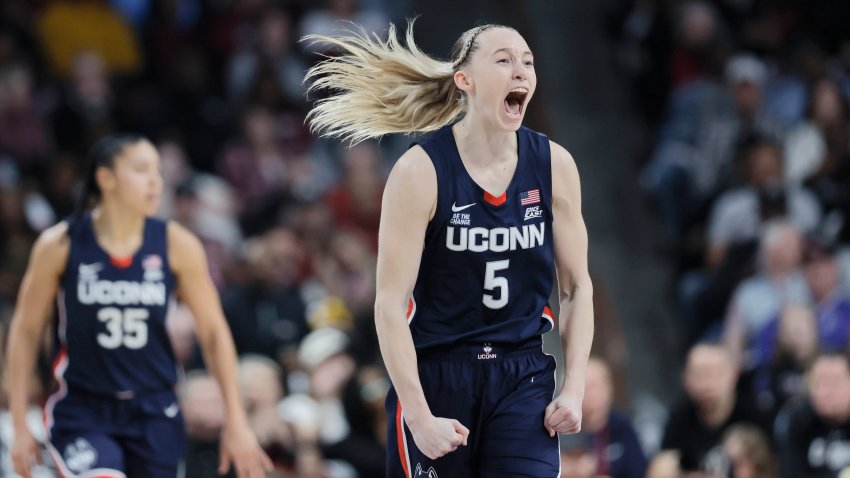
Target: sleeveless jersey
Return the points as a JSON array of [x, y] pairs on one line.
[[487, 269], [111, 322]]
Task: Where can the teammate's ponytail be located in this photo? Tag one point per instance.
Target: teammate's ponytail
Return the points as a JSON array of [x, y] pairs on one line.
[[102, 154], [381, 87]]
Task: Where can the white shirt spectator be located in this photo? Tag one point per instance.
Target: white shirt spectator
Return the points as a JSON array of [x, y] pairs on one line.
[[735, 216]]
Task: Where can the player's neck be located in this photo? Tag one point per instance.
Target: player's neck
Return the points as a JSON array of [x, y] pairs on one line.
[[116, 227], [485, 145]]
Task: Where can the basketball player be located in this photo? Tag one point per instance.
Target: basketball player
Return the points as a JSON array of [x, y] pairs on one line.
[[112, 271], [476, 219]]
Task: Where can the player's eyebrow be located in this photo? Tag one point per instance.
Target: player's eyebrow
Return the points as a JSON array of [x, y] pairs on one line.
[[508, 50]]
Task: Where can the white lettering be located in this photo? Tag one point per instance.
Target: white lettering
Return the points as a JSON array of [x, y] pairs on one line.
[[450, 234], [499, 239], [106, 292], [475, 246], [537, 234], [519, 238]]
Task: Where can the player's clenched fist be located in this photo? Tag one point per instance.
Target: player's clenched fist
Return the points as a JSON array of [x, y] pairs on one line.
[[24, 451], [563, 415], [436, 436]]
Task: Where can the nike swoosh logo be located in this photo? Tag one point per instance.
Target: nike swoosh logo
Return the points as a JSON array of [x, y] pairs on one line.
[[90, 268], [172, 410], [456, 208]]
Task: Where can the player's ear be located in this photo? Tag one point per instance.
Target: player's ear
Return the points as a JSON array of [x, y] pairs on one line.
[[463, 81], [105, 178]]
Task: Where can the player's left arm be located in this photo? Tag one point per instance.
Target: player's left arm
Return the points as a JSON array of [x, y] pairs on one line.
[[575, 290], [195, 288]]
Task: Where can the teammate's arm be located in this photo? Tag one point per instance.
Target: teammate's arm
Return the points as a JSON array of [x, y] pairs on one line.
[[575, 321], [195, 288], [38, 290], [408, 204]]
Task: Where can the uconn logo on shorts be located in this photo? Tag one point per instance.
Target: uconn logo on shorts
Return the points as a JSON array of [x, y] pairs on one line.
[[80, 455], [487, 355], [430, 473]]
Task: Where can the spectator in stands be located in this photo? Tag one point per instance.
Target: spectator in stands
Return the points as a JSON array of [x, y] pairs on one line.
[[822, 147], [784, 350], [324, 355], [613, 441], [759, 299], [740, 213], [87, 107], [175, 172], [356, 200], [331, 18], [805, 145], [262, 390], [16, 237], [721, 135], [832, 302], [347, 270], [271, 52], [692, 437], [813, 436], [256, 166], [689, 167], [267, 313], [24, 132], [206, 205], [749, 452], [203, 414]]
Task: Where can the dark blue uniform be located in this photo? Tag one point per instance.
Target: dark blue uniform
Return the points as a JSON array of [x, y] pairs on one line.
[[478, 311], [115, 411]]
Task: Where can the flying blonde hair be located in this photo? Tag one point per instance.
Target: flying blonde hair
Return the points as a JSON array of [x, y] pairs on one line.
[[382, 87]]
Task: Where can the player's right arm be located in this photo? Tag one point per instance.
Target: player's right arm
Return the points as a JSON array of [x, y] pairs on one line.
[[32, 311], [409, 201]]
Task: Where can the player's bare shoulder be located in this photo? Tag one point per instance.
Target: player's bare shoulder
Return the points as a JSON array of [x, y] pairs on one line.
[[563, 163], [185, 250], [414, 167], [566, 186], [413, 181], [51, 249]]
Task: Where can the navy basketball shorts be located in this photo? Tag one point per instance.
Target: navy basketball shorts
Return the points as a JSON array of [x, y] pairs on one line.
[[95, 436], [500, 394]]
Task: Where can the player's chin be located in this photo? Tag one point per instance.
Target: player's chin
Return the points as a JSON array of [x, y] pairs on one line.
[[149, 207], [511, 122]]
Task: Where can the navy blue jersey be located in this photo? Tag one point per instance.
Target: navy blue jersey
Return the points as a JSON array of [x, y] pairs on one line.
[[111, 325], [487, 268]]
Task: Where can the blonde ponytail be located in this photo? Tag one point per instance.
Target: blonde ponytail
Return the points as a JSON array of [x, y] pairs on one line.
[[384, 87]]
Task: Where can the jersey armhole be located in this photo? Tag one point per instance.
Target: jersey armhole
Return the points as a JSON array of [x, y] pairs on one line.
[[70, 223], [166, 261], [431, 229], [545, 155]]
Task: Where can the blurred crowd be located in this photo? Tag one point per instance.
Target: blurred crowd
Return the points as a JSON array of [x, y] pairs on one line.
[[745, 103], [747, 166], [289, 222]]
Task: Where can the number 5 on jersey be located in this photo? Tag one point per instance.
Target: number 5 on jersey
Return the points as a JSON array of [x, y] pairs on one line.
[[126, 327], [493, 282]]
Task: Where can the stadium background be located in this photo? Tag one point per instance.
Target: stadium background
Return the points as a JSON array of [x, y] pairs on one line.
[[641, 92]]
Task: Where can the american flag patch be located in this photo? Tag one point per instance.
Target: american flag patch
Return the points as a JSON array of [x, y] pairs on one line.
[[152, 261], [530, 197]]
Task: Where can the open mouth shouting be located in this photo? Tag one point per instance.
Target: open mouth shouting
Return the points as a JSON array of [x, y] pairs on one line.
[[515, 102]]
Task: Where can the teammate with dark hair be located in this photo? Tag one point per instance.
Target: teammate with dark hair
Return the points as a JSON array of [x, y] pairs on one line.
[[113, 270]]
